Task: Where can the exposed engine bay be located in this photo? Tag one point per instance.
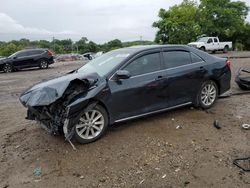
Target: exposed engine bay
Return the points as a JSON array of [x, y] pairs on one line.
[[47, 104]]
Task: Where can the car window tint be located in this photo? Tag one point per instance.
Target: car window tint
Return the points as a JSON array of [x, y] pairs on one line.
[[215, 40], [22, 54], [176, 58], [195, 58], [35, 52], [210, 40], [145, 64]]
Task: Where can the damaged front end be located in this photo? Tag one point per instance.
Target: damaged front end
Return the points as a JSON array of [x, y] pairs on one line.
[[243, 79], [48, 102]]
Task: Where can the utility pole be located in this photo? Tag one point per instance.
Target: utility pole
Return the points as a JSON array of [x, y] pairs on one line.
[[54, 44]]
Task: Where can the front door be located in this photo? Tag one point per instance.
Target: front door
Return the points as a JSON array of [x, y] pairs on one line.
[[142, 92]]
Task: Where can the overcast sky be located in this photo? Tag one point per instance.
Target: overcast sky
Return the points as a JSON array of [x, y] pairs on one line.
[[98, 20]]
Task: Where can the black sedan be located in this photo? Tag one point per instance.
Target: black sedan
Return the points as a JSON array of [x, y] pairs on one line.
[[125, 84], [27, 58]]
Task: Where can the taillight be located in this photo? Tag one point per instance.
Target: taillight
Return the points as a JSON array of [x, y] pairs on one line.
[[50, 53], [228, 63]]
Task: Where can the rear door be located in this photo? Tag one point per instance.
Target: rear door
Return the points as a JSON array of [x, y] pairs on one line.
[[216, 44], [34, 56], [142, 92], [185, 73]]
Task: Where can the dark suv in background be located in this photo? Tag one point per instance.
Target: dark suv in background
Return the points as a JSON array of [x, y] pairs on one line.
[[27, 59]]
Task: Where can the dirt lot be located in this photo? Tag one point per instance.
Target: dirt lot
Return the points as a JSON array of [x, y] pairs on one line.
[[149, 152]]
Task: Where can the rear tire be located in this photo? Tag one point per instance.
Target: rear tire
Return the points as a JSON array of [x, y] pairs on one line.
[[225, 50], [207, 95], [92, 125], [7, 68], [203, 48], [43, 64]]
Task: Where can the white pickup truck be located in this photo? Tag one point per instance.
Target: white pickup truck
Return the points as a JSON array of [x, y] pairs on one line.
[[211, 44]]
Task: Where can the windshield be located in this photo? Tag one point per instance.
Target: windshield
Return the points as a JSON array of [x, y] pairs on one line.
[[104, 64], [13, 55], [203, 39]]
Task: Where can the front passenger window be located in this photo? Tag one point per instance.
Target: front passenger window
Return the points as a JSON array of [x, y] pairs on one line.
[[145, 64]]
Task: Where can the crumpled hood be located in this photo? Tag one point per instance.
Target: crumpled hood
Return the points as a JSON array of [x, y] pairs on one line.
[[196, 43], [49, 91]]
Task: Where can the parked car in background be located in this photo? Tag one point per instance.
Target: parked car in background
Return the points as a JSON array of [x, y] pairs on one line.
[[98, 54], [125, 84], [28, 58], [65, 57], [212, 44], [68, 57], [88, 55]]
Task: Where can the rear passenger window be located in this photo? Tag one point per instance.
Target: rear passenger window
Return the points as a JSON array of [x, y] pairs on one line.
[[174, 59], [35, 52], [195, 58], [145, 64]]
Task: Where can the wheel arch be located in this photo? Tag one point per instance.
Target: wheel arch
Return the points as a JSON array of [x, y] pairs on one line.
[[102, 104], [217, 84]]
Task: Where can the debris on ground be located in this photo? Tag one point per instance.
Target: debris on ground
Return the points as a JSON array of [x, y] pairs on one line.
[[177, 169], [216, 124], [141, 181], [245, 126], [178, 127], [243, 79], [243, 163], [38, 171], [164, 176]]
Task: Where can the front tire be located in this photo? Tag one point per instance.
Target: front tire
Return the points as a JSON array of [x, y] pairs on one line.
[[7, 68], [208, 94], [92, 125]]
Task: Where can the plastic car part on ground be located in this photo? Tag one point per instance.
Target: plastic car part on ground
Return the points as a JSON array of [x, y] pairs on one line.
[[243, 79], [245, 126], [243, 163]]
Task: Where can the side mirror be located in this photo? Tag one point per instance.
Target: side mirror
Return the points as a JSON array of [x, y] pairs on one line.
[[122, 74], [15, 57]]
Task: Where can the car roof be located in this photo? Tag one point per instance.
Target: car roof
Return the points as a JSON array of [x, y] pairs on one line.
[[149, 47], [32, 49], [137, 49]]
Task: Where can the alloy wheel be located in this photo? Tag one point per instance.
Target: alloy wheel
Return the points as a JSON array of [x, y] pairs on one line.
[[43, 64], [7, 68], [208, 94], [90, 124]]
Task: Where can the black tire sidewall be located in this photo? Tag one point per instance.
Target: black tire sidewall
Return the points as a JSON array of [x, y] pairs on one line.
[[203, 106], [106, 122], [225, 50], [47, 65], [203, 49], [7, 64]]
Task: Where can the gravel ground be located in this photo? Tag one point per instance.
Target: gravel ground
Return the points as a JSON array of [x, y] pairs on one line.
[[148, 152]]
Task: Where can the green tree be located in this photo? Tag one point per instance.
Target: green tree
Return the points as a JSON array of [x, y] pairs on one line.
[[179, 24], [223, 18], [9, 49]]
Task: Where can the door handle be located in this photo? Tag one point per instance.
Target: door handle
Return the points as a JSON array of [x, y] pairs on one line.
[[159, 78], [202, 69]]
